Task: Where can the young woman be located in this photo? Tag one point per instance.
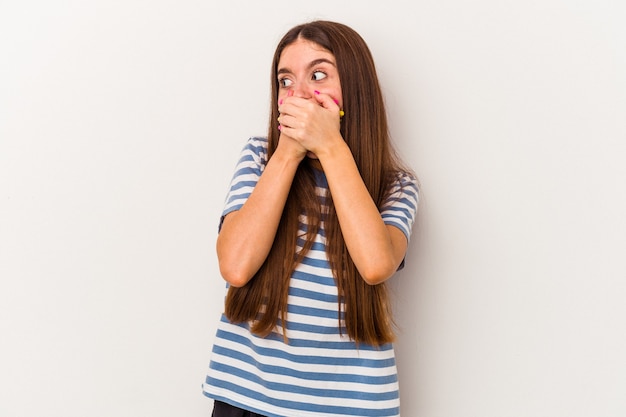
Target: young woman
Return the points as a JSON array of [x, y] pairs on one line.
[[318, 217]]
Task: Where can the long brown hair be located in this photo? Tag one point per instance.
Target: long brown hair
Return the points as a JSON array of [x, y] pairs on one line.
[[367, 311]]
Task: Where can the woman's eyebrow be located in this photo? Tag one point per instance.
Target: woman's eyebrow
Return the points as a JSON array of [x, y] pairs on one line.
[[312, 64], [317, 62]]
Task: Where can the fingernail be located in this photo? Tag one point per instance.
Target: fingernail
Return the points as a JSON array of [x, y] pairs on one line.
[[280, 101], [280, 127], [336, 101], [317, 92]]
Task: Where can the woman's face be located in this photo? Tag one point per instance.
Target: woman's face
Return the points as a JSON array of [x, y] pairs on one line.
[[305, 67]]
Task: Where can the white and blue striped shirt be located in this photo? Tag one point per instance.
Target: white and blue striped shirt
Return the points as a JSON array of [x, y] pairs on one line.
[[319, 371]]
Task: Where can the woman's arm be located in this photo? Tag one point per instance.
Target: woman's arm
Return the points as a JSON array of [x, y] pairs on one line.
[[247, 235], [377, 249]]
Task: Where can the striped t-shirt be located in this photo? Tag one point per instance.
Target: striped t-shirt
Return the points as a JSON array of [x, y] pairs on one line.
[[318, 371]]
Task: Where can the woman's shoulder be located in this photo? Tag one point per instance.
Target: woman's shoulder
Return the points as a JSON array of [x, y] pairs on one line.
[[404, 178], [259, 141], [403, 186], [257, 146]]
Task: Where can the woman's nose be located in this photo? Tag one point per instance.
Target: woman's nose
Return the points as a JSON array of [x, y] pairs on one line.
[[302, 90]]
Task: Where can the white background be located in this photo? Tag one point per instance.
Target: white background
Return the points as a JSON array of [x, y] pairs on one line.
[[121, 122]]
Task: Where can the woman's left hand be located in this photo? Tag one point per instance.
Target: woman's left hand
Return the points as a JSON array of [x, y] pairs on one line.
[[313, 122]]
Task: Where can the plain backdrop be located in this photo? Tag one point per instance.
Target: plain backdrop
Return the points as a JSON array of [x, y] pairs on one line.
[[121, 122]]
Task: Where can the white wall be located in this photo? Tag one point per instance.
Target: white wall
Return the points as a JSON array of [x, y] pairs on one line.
[[120, 123]]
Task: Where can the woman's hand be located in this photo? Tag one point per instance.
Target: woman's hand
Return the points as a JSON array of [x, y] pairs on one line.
[[290, 147], [313, 123]]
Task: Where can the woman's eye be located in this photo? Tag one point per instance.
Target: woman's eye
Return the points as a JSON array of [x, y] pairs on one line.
[[319, 75], [285, 82]]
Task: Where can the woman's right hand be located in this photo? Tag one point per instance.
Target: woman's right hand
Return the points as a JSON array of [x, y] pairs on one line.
[[290, 147]]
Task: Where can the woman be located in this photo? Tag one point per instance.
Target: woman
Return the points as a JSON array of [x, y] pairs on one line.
[[318, 217]]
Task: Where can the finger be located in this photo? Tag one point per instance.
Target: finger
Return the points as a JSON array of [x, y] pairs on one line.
[[327, 101], [323, 100], [289, 106], [286, 120]]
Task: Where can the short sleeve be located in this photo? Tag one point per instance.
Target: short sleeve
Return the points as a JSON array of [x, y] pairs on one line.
[[248, 170], [400, 207]]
